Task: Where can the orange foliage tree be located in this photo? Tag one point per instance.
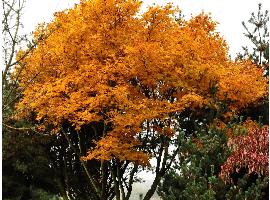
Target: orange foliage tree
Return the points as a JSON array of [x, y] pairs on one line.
[[107, 62]]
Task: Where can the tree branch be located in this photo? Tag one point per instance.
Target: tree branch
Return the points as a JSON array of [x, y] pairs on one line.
[[92, 181]]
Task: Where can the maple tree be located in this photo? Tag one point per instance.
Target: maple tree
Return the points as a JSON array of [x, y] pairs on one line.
[[105, 62]]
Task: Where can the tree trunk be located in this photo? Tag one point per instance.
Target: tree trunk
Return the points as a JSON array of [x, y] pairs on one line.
[[62, 190], [153, 188]]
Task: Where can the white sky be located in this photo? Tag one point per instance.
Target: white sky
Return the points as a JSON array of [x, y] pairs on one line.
[[229, 14]]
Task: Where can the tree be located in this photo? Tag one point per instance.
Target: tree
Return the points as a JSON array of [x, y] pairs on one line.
[[133, 74], [257, 32], [12, 11], [249, 151]]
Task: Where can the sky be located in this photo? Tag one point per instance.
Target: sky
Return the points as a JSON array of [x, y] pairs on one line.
[[228, 13]]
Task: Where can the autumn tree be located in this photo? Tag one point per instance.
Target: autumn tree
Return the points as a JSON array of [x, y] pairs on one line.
[[128, 77]]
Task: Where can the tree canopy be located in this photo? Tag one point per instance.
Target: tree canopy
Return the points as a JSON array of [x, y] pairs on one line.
[[105, 61]]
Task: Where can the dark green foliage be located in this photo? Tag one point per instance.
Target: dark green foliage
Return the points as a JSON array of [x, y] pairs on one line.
[[42, 166], [259, 113], [25, 167], [245, 188], [195, 176]]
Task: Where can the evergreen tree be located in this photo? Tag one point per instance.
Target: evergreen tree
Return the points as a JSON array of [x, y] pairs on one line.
[[256, 30]]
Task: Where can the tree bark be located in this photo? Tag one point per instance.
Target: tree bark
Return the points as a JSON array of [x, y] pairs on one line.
[[153, 188]]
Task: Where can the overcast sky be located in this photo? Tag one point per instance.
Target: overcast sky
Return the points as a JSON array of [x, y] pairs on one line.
[[229, 14]]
